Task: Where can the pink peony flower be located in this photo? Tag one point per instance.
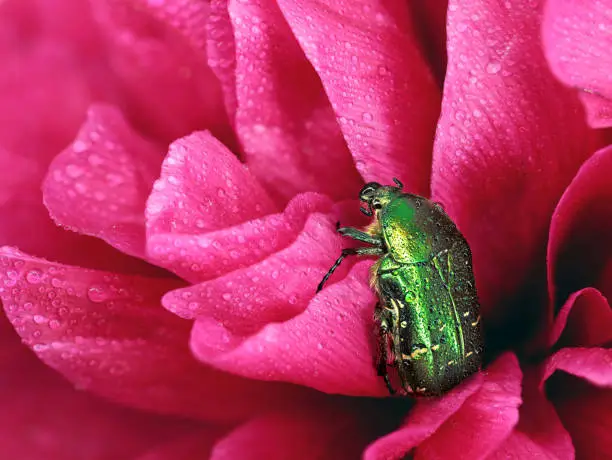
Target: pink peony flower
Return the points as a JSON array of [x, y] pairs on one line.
[[172, 173]]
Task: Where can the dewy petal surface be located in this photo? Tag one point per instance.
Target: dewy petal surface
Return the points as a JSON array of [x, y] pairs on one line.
[[327, 346], [510, 138], [577, 41], [283, 118], [485, 419], [158, 56], [423, 420], [45, 417], [380, 87], [108, 334], [203, 187], [99, 185]]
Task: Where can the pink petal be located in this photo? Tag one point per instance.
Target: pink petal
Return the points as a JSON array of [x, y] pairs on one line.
[[576, 36], [44, 83], [327, 347], [377, 81], [509, 140], [331, 432], [108, 334], [158, 54], [484, 420], [520, 446], [579, 251], [283, 118], [273, 290], [203, 187], [99, 185], [195, 445], [592, 364], [424, 419], [221, 51], [429, 20], [539, 431], [586, 413], [45, 417], [202, 257], [584, 321]]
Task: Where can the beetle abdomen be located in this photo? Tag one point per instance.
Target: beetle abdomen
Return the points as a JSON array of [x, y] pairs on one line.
[[437, 338]]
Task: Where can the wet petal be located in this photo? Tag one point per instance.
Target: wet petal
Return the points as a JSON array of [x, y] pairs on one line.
[[328, 344], [592, 364], [329, 432], [283, 118], [584, 321], [270, 291], [203, 187], [99, 185], [577, 43], [579, 251], [424, 419], [108, 334], [509, 140], [159, 57], [377, 81], [202, 257], [45, 417], [485, 419], [539, 433]]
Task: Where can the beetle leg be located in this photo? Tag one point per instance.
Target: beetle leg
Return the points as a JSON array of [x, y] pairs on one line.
[[360, 236], [383, 346], [349, 252]]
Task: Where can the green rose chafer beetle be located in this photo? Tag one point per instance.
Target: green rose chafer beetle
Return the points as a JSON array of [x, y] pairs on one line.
[[428, 317]]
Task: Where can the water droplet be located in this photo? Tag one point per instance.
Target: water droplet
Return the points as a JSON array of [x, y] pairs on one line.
[[97, 294], [34, 276], [226, 296], [493, 67]]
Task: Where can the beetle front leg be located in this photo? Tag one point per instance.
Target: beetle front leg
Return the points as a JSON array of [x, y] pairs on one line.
[[361, 236], [382, 318], [349, 252]]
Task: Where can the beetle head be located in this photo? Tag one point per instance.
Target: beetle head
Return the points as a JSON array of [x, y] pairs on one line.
[[375, 196]]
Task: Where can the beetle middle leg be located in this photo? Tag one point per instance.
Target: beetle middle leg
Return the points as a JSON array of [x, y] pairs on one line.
[[376, 251], [383, 319]]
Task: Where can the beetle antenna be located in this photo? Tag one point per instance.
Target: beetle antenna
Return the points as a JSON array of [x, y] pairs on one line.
[[367, 212], [398, 183]]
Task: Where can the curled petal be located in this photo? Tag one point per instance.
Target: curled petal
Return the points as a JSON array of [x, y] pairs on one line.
[[98, 186], [579, 252], [509, 140], [577, 41], [424, 419], [592, 364], [108, 334], [283, 117], [327, 346], [485, 419], [584, 321], [270, 291], [469, 422], [203, 187], [378, 83]]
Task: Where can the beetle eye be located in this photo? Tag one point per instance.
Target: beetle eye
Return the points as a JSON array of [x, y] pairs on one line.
[[376, 204]]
